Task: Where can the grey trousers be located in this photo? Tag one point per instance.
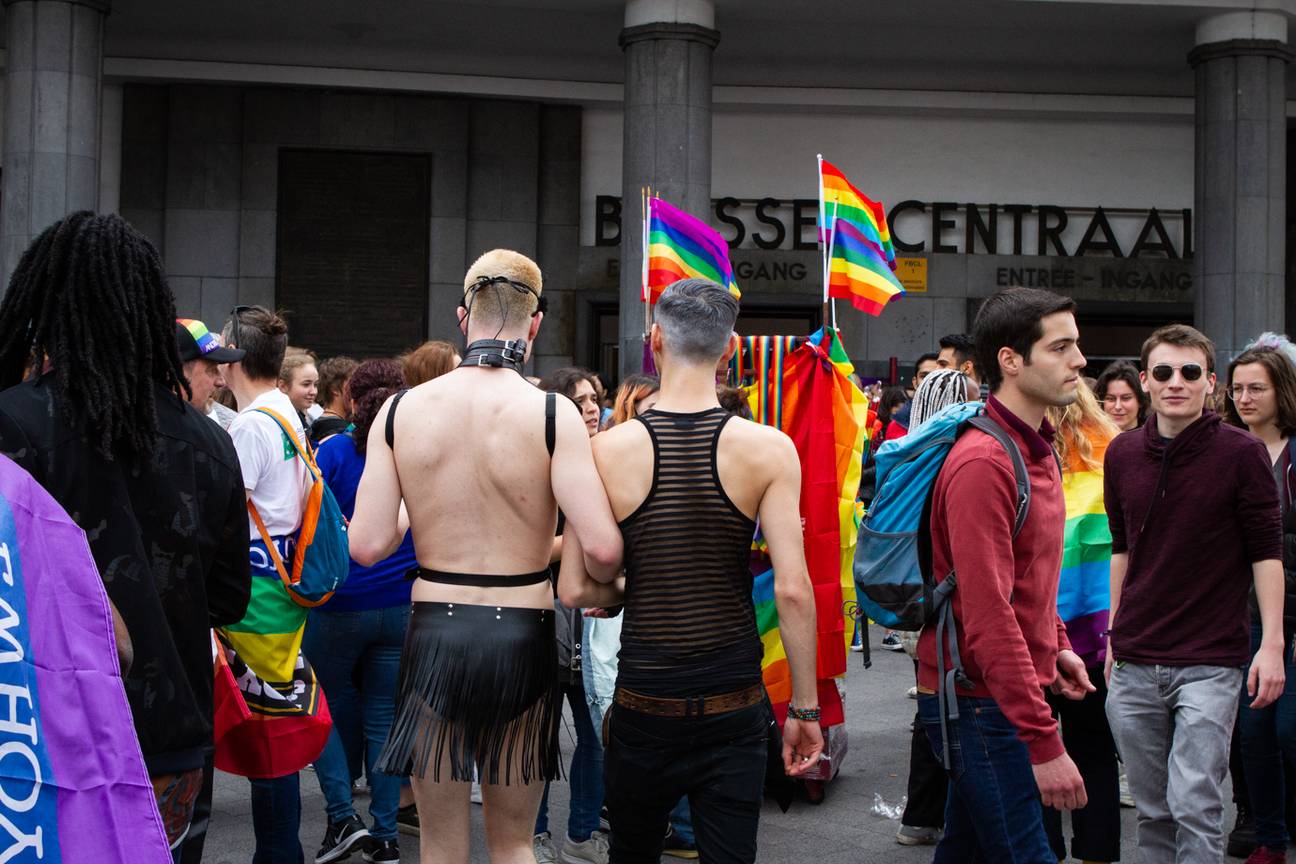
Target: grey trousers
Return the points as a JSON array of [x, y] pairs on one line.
[[1172, 727]]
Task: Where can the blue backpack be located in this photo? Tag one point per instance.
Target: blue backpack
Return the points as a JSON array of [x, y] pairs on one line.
[[894, 582]]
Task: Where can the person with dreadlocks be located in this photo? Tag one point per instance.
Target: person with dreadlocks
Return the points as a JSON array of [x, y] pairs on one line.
[[482, 460], [102, 422]]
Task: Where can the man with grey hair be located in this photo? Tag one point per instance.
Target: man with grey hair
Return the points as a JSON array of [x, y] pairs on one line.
[[687, 483]]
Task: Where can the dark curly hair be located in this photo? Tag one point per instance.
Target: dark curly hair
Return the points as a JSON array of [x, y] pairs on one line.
[[372, 382], [89, 294]]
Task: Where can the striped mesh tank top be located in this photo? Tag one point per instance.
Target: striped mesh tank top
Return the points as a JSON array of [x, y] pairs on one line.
[[690, 627]]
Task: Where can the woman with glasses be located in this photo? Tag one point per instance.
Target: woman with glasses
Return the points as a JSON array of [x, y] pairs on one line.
[[1262, 398], [1122, 395]]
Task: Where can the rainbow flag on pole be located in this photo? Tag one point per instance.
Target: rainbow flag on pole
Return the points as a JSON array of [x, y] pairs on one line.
[[679, 246], [842, 202], [858, 272]]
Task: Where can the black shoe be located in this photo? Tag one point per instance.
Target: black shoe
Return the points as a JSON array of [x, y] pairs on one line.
[[407, 820], [382, 852], [677, 847], [1242, 839], [340, 838]]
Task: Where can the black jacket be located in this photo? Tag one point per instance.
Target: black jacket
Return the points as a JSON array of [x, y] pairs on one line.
[[170, 539]]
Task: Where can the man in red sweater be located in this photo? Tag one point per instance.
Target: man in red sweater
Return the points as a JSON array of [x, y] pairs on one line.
[[1193, 508], [1005, 750]]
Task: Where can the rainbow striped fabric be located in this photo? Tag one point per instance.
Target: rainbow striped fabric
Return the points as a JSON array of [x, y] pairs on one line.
[[207, 341], [810, 397], [1084, 588], [857, 271], [269, 637], [680, 246], [842, 202]]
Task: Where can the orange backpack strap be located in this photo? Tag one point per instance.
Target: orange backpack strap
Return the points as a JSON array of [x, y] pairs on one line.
[[306, 454], [269, 544]]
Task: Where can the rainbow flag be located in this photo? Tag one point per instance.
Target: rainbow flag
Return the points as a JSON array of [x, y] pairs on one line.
[[269, 637], [857, 271], [1084, 588], [842, 202], [679, 246], [74, 784], [825, 415]]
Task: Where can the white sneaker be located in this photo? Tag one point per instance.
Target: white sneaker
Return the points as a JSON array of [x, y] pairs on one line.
[[542, 847], [592, 851], [912, 692]]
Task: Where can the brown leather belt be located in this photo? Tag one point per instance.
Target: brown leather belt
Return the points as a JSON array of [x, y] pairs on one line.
[[693, 706]]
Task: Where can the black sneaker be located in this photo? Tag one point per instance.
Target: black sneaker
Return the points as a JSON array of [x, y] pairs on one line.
[[340, 838], [1242, 839], [382, 852], [891, 642], [677, 847], [407, 820]]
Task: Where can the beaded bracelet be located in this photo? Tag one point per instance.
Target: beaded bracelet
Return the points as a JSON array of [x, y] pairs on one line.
[[810, 715]]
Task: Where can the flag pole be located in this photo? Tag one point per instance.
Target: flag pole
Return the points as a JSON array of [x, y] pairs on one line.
[[823, 248], [645, 193], [832, 242]]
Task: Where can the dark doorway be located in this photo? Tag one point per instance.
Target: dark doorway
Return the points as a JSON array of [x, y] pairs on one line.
[[353, 251], [1112, 331]]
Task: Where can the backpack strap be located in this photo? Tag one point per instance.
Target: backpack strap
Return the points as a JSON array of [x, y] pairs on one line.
[[551, 412], [390, 430], [991, 427], [306, 454], [269, 544]]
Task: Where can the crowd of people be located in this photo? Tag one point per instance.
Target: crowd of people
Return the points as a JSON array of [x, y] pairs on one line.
[[1125, 569]]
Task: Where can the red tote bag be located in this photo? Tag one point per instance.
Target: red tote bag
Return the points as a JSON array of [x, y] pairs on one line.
[[264, 729]]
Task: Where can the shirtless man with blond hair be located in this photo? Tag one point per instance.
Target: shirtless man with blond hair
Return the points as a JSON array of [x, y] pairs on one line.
[[482, 461]]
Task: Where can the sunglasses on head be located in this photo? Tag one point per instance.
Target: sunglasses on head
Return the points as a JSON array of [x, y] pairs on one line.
[[234, 320], [1190, 371]]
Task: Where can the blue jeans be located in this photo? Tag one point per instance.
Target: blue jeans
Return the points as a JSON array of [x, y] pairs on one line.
[[681, 819], [586, 773], [993, 811], [1268, 741], [276, 820], [356, 656]]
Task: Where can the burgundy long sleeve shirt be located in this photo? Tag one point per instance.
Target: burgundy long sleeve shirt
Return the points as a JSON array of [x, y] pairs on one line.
[[1005, 606], [1194, 513]]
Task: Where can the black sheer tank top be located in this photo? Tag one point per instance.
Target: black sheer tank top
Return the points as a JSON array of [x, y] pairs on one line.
[[690, 626]]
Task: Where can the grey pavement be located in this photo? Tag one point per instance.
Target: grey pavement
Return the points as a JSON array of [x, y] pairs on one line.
[[841, 830]]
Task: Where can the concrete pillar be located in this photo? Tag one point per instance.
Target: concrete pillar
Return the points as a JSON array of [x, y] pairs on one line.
[[1240, 200], [54, 67], [668, 46]]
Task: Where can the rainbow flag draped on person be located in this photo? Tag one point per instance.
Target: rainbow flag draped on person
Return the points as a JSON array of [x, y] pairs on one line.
[[825, 415], [1084, 588], [679, 246], [861, 256]]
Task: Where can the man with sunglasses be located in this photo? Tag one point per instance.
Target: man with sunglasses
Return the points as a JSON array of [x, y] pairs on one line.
[[1194, 520]]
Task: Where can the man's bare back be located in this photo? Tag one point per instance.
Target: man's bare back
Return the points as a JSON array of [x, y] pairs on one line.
[[479, 487]]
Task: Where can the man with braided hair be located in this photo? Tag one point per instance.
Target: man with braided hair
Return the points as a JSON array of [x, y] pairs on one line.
[[103, 423], [482, 460]]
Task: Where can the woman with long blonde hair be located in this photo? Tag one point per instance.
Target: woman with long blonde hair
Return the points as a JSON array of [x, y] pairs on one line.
[[1083, 431]]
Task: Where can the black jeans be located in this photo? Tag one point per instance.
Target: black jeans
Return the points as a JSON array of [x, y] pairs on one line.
[[1088, 740], [928, 783], [718, 762]]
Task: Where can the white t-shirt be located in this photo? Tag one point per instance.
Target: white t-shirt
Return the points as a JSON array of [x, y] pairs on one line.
[[272, 472]]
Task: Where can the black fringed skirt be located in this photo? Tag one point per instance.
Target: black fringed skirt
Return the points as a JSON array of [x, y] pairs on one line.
[[478, 688]]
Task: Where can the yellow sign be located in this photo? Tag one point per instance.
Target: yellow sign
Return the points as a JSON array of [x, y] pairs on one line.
[[912, 273]]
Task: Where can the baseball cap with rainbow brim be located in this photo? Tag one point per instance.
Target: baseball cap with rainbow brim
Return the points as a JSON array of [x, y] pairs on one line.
[[195, 341]]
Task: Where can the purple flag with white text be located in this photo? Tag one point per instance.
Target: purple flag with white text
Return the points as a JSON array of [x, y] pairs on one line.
[[73, 787]]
